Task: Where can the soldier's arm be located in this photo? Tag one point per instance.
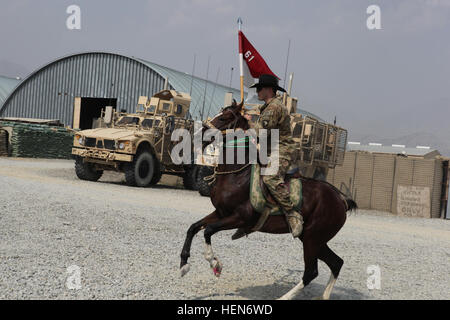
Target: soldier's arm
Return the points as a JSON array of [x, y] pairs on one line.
[[271, 117]]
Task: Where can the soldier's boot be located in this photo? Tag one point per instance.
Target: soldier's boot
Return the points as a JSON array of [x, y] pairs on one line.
[[295, 221]]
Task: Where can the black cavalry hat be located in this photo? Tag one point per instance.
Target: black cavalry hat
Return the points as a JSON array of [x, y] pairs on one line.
[[267, 80]]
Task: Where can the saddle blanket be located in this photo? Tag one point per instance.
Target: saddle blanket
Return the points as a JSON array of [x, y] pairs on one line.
[[259, 201]]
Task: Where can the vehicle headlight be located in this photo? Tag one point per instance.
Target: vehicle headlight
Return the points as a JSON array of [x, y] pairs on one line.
[[80, 139], [121, 145]]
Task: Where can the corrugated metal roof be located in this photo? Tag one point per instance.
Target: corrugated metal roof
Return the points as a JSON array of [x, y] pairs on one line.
[[7, 85], [181, 81], [215, 93], [389, 149], [49, 91]]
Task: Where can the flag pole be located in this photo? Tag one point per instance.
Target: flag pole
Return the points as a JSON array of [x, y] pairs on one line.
[[241, 60]]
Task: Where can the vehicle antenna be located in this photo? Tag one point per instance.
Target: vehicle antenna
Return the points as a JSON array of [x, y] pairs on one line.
[[287, 60], [192, 75], [206, 84], [214, 90], [231, 76]]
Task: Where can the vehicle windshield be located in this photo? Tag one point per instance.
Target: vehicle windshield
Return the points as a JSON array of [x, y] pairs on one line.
[[128, 121], [150, 123]]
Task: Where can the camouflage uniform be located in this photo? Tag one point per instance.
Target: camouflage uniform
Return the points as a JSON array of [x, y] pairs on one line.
[[274, 115]]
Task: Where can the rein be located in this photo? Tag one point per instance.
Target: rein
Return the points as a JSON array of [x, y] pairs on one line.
[[230, 144], [233, 124], [212, 178]]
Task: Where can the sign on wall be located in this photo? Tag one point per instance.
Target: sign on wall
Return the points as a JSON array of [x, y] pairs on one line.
[[413, 201]]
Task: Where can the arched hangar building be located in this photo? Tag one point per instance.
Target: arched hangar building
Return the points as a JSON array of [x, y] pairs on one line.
[[7, 85], [73, 89]]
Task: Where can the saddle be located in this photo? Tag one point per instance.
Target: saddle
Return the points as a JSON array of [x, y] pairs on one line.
[[263, 202]]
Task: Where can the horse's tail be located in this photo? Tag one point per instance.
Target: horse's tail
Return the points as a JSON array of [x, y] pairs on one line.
[[351, 204]]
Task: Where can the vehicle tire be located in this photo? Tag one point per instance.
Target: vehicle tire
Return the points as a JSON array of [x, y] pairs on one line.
[[86, 170], [157, 174], [203, 186], [190, 177], [141, 172]]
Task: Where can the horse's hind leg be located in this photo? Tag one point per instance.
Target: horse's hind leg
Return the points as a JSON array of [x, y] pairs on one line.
[[193, 230], [227, 223], [334, 262], [310, 254]]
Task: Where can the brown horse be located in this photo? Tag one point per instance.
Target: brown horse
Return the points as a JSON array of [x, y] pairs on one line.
[[323, 208]]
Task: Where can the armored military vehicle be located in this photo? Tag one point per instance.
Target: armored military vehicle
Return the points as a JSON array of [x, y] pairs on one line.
[[321, 145], [137, 144]]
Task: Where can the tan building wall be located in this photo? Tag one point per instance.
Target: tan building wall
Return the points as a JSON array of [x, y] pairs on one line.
[[373, 181]]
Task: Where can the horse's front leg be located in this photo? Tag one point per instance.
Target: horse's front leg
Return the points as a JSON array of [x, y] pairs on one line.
[[231, 222], [192, 231]]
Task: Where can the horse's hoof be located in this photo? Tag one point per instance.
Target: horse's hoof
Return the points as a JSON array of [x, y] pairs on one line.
[[217, 268], [185, 269]]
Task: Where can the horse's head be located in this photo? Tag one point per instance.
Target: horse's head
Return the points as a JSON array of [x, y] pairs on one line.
[[229, 118]]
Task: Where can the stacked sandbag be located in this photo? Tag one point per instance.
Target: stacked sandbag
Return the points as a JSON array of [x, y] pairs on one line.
[[39, 140], [3, 143]]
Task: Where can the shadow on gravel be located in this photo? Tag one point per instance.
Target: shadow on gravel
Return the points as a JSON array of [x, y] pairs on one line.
[[276, 290], [123, 183], [58, 173], [109, 177]]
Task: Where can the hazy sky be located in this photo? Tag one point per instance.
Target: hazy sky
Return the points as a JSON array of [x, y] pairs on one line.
[[389, 82]]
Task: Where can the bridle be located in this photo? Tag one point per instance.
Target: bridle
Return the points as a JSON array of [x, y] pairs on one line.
[[231, 125]]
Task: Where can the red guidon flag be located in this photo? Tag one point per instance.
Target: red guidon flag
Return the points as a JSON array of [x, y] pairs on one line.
[[254, 65]]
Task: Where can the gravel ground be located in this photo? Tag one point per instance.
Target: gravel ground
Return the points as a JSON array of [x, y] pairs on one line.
[[127, 241]]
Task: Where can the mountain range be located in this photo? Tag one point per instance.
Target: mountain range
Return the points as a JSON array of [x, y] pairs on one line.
[[411, 140]]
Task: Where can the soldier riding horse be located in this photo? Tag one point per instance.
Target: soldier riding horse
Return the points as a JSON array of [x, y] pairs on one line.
[[323, 209]]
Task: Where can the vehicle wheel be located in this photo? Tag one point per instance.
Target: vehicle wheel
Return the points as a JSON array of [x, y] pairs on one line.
[[190, 178], [141, 171], [157, 174], [86, 171], [203, 187]]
